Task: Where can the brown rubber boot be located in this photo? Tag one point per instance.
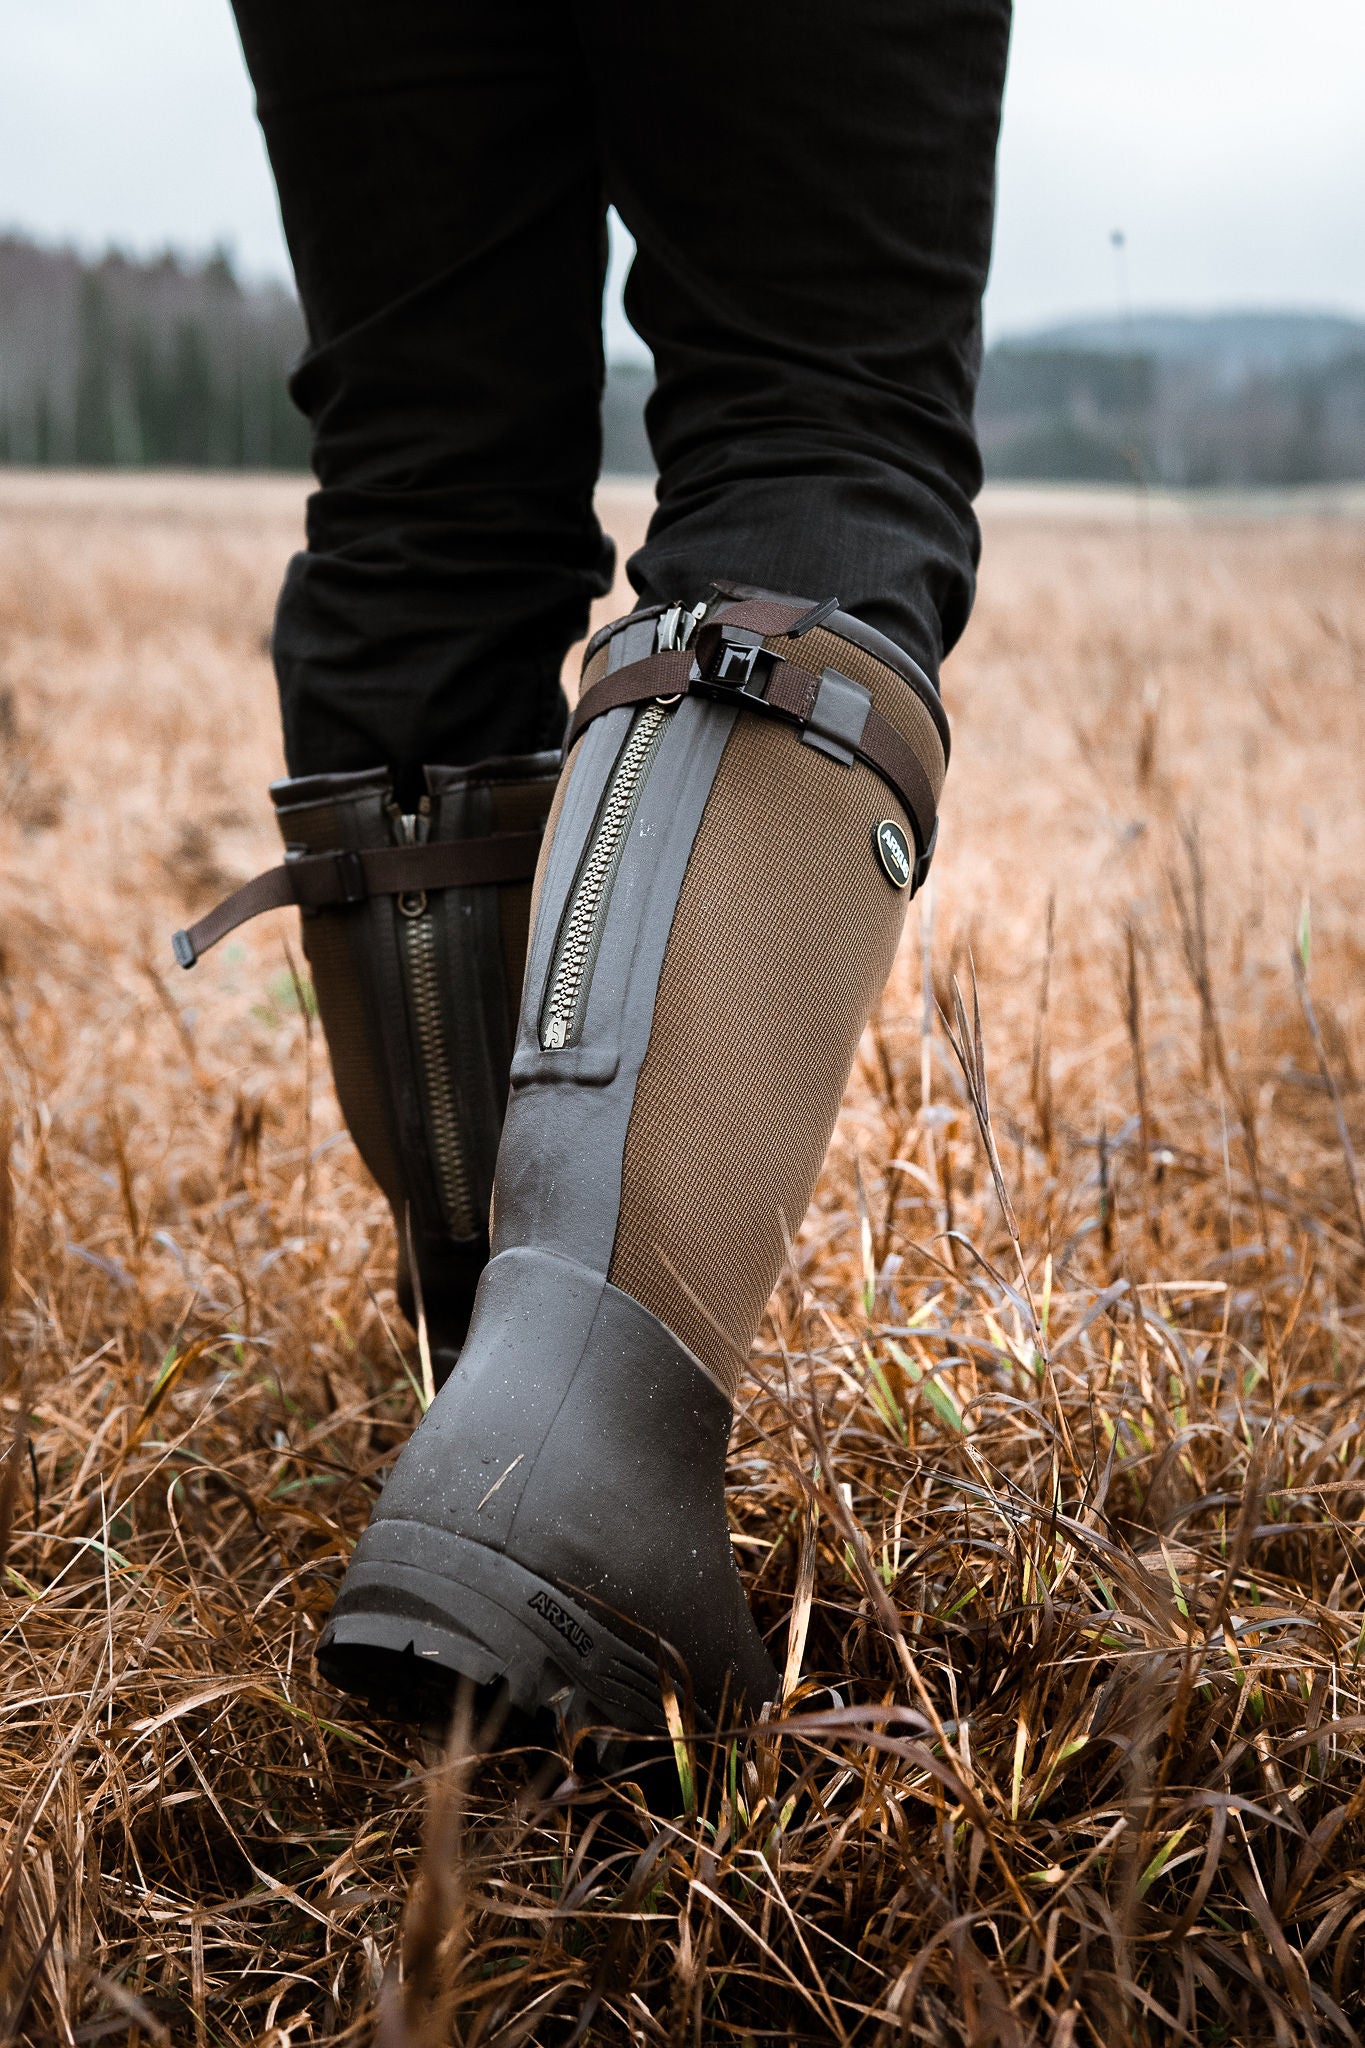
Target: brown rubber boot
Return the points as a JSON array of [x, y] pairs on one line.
[[750, 794], [415, 930]]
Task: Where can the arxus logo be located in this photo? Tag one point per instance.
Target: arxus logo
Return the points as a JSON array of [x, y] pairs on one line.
[[572, 1631], [893, 851]]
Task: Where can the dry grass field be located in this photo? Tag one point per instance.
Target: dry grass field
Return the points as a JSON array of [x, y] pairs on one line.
[[1053, 1452]]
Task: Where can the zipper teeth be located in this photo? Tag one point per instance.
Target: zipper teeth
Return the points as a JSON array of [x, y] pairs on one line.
[[578, 937], [452, 1171]]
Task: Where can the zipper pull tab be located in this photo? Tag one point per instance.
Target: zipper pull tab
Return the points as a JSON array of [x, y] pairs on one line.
[[676, 627], [410, 828], [693, 620]]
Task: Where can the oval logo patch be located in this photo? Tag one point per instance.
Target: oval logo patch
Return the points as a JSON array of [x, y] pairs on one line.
[[893, 852]]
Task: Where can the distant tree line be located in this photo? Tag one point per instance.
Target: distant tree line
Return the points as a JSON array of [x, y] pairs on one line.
[[128, 364]]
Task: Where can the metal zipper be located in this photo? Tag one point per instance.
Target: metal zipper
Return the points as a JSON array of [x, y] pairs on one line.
[[417, 943], [561, 1017]]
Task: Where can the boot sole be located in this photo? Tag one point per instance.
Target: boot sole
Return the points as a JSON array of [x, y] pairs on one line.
[[422, 1608]]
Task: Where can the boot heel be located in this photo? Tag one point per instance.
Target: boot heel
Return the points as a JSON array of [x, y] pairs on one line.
[[423, 1607], [570, 1473]]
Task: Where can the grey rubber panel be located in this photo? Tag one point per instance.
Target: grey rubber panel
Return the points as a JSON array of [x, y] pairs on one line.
[[559, 1170], [578, 1437]]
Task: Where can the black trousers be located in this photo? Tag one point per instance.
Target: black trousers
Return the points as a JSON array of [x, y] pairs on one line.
[[810, 186]]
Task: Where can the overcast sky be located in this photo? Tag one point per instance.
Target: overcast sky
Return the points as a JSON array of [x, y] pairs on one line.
[[1226, 138]]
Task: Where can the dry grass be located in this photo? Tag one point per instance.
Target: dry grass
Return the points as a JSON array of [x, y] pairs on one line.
[[1072, 1515]]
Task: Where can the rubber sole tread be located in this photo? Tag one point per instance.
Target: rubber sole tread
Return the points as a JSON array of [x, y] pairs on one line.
[[422, 1608]]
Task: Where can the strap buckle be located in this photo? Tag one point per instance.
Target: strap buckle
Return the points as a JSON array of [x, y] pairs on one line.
[[327, 881], [734, 664], [350, 868]]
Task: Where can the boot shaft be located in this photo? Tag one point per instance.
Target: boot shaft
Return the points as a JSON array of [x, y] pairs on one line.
[[418, 994], [720, 902], [414, 926]]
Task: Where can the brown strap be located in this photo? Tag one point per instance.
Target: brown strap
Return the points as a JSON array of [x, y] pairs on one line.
[[769, 615], [791, 693], [325, 881], [636, 682], [884, 747]]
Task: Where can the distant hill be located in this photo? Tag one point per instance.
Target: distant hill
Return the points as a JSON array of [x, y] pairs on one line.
[[1236, 400], [1240, 344]]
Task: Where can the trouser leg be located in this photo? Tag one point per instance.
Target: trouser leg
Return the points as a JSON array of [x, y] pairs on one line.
[[813, 244], [442, 201]]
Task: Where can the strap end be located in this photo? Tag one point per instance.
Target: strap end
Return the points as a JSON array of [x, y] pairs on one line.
[[182, 945]]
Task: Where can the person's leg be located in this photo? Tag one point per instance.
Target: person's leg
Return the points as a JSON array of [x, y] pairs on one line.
[[813, 245], [442, 202], [443, 205]]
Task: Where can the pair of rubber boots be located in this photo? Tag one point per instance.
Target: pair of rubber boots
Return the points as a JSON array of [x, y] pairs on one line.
[[747, 801]]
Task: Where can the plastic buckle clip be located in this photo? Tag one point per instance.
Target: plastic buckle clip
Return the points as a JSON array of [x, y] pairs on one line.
[[738, 665], [350, 872]]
